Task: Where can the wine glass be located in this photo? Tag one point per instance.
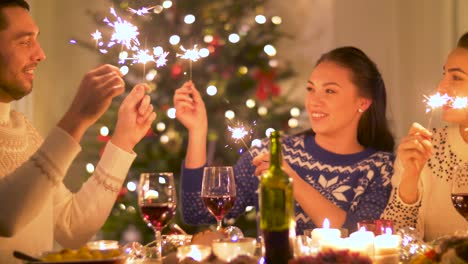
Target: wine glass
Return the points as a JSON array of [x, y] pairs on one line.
[[460, 190], [157, 202], [218, 191]]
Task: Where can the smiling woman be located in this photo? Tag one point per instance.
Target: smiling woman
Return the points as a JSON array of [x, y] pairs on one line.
[[344, 165], [430, 159]]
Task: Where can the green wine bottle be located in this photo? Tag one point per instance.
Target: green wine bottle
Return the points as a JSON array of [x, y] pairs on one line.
[[276, 208]]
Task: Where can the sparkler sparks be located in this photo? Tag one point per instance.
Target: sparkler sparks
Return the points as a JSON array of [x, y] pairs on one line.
[[97, 35], [142, 11], [191, 55], [435, 101], [238, 133], [161, 61], [125, 33], [459, 102]]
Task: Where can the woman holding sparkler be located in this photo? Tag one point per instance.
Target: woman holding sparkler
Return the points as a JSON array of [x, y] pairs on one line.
[[428, 161], [341, 169]]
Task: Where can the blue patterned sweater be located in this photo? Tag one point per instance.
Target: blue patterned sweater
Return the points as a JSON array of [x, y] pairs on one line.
[[357, 183]]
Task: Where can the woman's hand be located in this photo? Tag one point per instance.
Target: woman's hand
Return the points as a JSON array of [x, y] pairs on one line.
[[262, 162], [190, 108], [413, 152], [415, 149]]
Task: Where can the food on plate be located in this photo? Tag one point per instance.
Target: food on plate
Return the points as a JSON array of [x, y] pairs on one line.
[[83, 253]]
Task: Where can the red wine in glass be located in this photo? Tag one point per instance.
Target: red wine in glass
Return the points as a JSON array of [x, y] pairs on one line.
[[157, 203], [460, 202], [219, 206], [159, 215], [218, 191]]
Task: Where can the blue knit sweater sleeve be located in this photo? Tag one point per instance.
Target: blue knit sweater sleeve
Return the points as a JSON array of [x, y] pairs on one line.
[[374, 198], [194, 211]]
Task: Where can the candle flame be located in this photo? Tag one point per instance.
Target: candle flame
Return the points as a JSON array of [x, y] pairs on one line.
[[388, 231], [195, 254], [326, 223]]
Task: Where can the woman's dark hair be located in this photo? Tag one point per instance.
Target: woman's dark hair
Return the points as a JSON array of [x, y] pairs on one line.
[[10, 3], [373, 129], [463, 41]]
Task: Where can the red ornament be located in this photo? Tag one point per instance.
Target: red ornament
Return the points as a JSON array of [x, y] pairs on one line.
[[266, 86], [122, 193], [176, 71]]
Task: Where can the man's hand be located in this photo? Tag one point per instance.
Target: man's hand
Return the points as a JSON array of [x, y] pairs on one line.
[[95, 93], [134, 119]]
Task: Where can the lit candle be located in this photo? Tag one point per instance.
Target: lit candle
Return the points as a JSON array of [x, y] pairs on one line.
[[196, 252], [387, 248], [325, 236], [362, 241], [103, 245]]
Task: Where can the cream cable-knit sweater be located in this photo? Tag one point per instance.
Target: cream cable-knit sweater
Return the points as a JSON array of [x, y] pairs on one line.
[[433, 214], [35, 206]]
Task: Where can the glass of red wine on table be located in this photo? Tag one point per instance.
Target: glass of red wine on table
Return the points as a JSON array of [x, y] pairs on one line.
[[157, 203], [460, 190], [218, 191]]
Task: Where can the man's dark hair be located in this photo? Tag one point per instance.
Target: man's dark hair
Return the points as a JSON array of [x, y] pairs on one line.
[[10, 3], [463, 41]]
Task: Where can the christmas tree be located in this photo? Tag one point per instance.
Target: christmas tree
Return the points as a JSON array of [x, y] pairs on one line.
[[235, 68]]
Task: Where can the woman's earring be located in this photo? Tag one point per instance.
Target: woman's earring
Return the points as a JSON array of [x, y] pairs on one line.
[[360, 110]]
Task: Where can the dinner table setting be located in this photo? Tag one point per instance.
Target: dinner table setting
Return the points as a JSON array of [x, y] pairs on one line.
[[375, 241]]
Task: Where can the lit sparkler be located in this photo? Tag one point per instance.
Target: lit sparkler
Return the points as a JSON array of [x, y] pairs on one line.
[[434, 101], [144, 57], [125, 33], [459, 102], [238, 133], [161, 61], [191, 55], [142, 11], [97, 36]]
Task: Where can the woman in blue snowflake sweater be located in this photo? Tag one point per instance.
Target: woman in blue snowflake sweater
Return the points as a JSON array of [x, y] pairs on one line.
[[341, 170]]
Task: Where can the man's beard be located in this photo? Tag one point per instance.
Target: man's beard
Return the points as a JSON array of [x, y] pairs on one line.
[[14, 91]]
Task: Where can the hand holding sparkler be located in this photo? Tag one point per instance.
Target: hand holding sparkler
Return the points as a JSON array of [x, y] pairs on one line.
[[190, 108], [135, 117], [191, 112], [412, 154]]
